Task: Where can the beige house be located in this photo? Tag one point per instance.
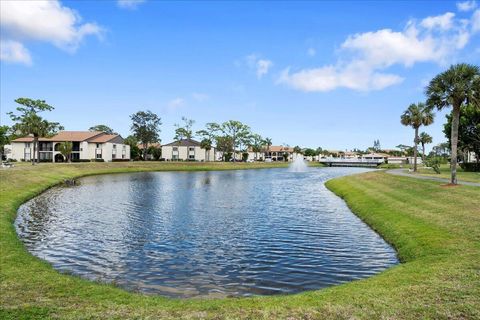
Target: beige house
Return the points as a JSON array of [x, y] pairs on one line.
[[187, 150], [87, 145]]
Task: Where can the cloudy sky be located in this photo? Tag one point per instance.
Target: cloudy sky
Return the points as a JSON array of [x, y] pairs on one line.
[[335, 75]]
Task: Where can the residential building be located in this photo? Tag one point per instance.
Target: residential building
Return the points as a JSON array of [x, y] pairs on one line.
[[86, 145], [278, 153], [187, 150]]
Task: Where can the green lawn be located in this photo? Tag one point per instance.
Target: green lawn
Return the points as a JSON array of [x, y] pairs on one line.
[[445, 173], [435, 229]]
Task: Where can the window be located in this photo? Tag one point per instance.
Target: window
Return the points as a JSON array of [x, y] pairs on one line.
[[98, 145], [191, 148], [191, 156], [175, 148], [27, 144], [99, 156], [114, 155], [114, 146]]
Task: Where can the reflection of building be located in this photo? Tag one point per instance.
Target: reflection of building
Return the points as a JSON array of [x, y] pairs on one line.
[[187, 150], [86, 145]]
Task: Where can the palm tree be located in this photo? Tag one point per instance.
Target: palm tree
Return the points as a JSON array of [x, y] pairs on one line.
[[65, 149], [424, 139], [207, 145], [415, 116], [456, 87], [267, 142]]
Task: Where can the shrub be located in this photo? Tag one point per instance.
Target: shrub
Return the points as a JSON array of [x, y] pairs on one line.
[[13, 160], [433, 163], [98, 160], [80, 160], [120, 160], [470, 166]]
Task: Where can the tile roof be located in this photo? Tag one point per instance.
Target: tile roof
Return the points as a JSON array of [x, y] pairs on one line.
[[103, 138], [74, 136]]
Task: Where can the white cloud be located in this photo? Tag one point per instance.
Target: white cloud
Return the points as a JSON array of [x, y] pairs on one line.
[[46, 21], [311, 52], [15, 52], [198, 96], [129, 4], [364, 57], [176, 103], [354, 76], [443, 22], [466, 5], [476, 21], [261, 66]]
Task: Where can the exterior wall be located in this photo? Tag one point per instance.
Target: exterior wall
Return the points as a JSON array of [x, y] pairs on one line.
[[18, 150], [87, 151], [183, 153]]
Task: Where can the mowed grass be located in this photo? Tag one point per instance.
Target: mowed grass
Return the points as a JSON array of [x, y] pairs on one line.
[[435, 229], [445, 173]]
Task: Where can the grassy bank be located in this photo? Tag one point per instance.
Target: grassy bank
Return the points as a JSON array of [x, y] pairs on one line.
[[436, 231]]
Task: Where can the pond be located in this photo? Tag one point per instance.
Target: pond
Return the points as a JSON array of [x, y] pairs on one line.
[[207, 234]]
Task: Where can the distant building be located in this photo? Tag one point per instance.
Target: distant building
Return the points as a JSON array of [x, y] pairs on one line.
[[187, 150], [471, 157], [87, 145], [279, 153]]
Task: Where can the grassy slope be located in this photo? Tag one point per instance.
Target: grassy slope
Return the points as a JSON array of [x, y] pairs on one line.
[[436, 231]]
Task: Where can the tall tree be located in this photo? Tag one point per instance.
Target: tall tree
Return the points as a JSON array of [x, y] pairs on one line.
[[415, 116], [297, 149], [102, 128], [208, 135], [237, 131], [225, 146], [65, 149], [184, 131], [256, 144], [267, 142], [28, 122], [468, 130], [207, 145], [456, 87], [424, 139], [4, 139], [146, 128]]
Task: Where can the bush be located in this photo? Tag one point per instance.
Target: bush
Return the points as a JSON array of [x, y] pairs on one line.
[[80, 160], [434, 163], [470, 166], [120, 160], [46, 160], [13, 160], [98, 160]]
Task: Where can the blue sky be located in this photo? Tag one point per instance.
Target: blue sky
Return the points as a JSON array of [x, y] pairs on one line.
[[331, 74]]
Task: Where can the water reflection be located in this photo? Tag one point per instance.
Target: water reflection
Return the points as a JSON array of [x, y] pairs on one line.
[[205, 233]]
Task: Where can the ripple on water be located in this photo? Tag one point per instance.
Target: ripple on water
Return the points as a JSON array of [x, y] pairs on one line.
[[230, 233]]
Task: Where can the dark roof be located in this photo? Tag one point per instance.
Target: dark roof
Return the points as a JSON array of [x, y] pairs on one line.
[[183, 143]]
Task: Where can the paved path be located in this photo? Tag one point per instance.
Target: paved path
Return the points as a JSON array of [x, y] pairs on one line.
[[402, 172]]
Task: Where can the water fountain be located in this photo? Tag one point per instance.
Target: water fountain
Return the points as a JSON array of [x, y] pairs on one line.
[[298, 165]]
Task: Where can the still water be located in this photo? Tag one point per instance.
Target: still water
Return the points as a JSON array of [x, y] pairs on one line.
[[227, 233]]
